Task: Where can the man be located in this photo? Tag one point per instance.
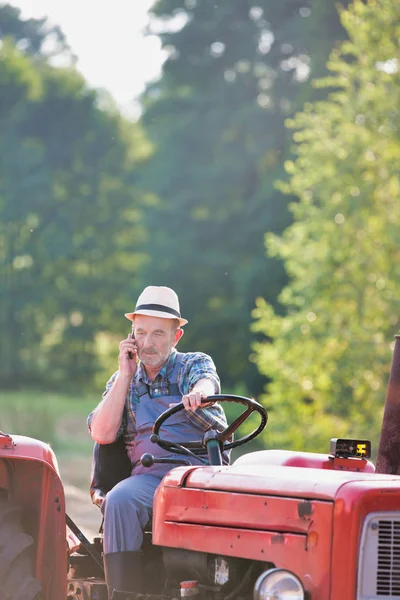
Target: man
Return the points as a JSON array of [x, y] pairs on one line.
[[151, 377]]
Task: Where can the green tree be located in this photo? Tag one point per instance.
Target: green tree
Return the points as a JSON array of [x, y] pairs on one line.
[[329, 356], [235, 71], [34, 36], [70, 215]]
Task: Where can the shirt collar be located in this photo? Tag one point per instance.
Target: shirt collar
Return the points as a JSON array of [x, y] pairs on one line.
[[164, 372]]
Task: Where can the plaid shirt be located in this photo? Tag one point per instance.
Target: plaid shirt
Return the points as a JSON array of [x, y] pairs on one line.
[[194, 366]]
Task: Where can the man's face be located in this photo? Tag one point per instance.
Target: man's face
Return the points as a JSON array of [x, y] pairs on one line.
[[155, 337]]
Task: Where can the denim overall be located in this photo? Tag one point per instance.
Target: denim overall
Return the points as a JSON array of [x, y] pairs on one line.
[[127, 507], [178, 428]]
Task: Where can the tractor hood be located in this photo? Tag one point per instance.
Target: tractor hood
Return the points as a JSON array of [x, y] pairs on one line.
[[257, 508], [245, 477]]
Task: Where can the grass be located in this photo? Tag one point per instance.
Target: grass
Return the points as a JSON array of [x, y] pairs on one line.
[[57, 419]]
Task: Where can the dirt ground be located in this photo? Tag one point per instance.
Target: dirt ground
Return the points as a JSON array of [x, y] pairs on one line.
[[81, 510], [75, 474]]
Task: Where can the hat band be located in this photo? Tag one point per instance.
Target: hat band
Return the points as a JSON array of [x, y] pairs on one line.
[[158, 307]]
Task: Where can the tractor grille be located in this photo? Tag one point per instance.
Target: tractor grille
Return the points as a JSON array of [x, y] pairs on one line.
[[379, 559], [388, 571]]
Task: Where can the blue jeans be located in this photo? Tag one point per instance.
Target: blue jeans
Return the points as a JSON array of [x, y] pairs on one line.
[[127, 509]]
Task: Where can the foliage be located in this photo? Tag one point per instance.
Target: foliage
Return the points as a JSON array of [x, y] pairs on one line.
[[234, 72], [35, 37], [70, 213], [88, 216], [329, 356]]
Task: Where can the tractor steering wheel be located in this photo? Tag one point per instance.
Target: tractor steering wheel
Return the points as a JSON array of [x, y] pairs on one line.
[[197, 446]]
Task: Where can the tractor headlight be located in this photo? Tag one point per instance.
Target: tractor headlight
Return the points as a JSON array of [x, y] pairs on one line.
[[278, 584]]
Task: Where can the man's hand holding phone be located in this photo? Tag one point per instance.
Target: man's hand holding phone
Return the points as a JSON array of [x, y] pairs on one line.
[[127, 358], [132, 337]]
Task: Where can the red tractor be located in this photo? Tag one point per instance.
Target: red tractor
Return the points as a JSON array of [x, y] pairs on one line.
[[274, 525]]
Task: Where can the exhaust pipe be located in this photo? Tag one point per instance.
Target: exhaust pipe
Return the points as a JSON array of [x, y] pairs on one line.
[[388, 459]]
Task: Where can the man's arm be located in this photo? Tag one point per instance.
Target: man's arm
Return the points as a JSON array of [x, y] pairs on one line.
[[106, 418], [199, 379]]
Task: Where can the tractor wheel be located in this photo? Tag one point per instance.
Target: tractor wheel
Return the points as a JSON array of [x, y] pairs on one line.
[[16, 556]]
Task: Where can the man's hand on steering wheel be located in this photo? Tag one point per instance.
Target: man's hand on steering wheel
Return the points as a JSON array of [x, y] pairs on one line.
[[194, 400], [197, 395]]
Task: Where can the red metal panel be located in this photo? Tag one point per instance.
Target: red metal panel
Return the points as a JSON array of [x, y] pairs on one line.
[[29, 471], [242, 510], [30, 449], [307, 556], [198, 509], [6, 441], [178, 475], [242, 543], [310, 460], [319, 484], [252, 527], [353, 503]]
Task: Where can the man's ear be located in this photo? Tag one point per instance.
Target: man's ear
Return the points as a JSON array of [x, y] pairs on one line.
[[178, 335]]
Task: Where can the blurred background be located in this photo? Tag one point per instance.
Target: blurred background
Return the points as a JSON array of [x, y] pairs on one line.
[[246, 155]]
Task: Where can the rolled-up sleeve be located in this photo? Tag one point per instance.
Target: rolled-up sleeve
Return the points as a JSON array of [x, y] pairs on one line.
[[201, 366], [198, 366]]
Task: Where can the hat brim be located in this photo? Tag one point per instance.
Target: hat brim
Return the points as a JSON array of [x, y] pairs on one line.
[[154, 313]]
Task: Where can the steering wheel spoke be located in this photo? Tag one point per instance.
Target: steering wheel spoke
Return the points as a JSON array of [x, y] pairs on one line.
[[229, 431]]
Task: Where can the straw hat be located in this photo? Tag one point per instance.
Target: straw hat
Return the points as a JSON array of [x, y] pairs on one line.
[[158, 301]]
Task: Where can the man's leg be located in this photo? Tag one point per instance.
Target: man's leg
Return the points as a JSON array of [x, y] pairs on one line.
[[127, 509]]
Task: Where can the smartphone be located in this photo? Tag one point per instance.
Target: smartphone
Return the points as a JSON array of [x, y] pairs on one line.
[[132, 337]]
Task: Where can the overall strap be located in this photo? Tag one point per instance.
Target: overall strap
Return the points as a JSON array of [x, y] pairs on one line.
[[173, 377], [142, 389]]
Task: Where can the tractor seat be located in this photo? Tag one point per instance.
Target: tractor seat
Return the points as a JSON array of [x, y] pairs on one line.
[[110, 465]]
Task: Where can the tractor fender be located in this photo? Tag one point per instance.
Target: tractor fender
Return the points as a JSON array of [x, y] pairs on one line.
[[29, 475]]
